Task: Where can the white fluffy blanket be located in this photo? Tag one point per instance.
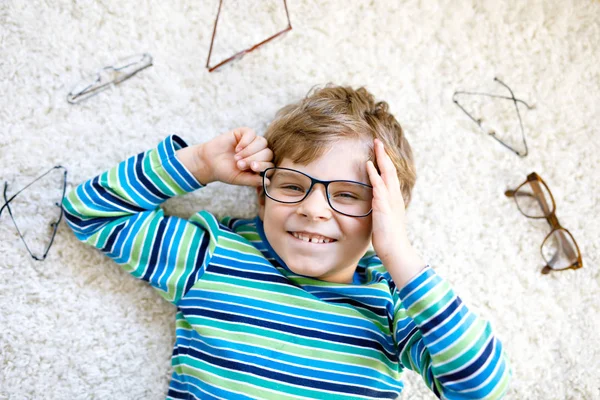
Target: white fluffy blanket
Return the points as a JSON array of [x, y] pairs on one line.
[[76, 327]]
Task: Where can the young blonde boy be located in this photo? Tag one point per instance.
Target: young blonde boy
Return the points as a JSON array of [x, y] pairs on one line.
[[293, 303]]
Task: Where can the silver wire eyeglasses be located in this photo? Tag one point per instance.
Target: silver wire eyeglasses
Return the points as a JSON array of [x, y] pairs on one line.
[[286, 185], [492, 132], [58, 215], [109, 76]]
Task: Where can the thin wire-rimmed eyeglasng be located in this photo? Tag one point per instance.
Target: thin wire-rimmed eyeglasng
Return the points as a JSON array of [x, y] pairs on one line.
[[479, 121], [243, 52], [108, 76], [288, 186], [53, 225], [559, 249]]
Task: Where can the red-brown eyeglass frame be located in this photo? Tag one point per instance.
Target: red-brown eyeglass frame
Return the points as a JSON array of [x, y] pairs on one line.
[[243, 52]]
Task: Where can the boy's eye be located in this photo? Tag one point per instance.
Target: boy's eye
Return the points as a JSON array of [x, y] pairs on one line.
[[294, 188], [346, 196]]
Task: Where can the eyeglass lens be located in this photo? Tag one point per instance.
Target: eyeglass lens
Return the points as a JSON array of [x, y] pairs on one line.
[[288, 186], [559, 250], [534, 200]]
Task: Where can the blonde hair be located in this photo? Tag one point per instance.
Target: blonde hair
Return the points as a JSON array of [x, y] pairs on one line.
[[303, 131]]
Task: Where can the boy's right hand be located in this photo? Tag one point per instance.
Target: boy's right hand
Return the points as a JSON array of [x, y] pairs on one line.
[[236, 157]]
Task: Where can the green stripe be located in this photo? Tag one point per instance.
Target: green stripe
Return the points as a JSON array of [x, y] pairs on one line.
[[153, 176], [463, 359], [463, 342], [208, 222], [274, 293], [186, 253], [501, 387], [163, 175], [230, 380], [233, 242], [290, 344], [430, 303]]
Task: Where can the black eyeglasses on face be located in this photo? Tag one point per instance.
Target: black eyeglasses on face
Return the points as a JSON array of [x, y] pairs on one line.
[[286, 185], [53, 225]]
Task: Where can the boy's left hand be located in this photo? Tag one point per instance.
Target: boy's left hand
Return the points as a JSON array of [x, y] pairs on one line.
[[390, 239]]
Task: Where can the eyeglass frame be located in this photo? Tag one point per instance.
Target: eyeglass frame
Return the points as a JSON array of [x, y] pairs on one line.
[[552, 221], [95, 85], [492, 133], [240, 54], [313, 182], [54, 225]]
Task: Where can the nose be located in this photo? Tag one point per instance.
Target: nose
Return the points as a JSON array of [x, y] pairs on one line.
[[315, 206]]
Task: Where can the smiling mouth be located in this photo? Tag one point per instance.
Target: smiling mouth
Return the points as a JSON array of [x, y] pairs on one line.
[[309, 238]]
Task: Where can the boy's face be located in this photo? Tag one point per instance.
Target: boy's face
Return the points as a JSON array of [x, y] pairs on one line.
[[334, 261]]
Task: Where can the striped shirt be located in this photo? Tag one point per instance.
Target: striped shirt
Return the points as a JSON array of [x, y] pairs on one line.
[[249, 328]]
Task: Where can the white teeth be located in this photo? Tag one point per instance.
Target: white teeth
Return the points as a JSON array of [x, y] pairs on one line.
[[313, 239]]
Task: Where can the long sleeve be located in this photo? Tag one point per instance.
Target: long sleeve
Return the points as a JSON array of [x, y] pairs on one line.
[[118, 212], [453, 350]]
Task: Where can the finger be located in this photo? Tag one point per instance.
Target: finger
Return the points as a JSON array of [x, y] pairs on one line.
[[388, 170], [262, 158], [258, 144], [256, 166], [379, 187], [248, 179], [243, 137], [260, 166], [265, 154]]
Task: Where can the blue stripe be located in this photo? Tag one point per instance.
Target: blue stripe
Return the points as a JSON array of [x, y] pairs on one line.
[[304, 332], [167, 264], [357, 335], [108, 247], [126, 184], [145, 182], [175, 169], [196, 295], [156, 247], [470, 369], [453, 337], [125, 241], [111, 200], [416, 282], [131, 166], [260, 277], [200, 263], [441, 317], [295, 380], [301, 366]]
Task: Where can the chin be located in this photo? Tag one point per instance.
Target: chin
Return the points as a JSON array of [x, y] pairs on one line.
[[309, 271]]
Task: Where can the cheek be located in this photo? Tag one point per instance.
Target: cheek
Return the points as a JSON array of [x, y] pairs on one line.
[[359, 229]]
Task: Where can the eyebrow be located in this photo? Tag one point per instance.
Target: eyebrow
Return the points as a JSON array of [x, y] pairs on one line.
[[326, 180]]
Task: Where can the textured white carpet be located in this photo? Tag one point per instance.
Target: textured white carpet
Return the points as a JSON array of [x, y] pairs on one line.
[[76, 327]]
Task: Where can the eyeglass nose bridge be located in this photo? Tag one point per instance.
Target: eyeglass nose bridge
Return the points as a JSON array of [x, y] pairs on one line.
[[313, 183]]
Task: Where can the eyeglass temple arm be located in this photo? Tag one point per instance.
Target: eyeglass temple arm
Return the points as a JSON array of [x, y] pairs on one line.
[[92, 89]]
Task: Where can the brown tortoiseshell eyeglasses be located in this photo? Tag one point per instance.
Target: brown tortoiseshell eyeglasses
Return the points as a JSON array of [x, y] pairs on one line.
[[559, 249]]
